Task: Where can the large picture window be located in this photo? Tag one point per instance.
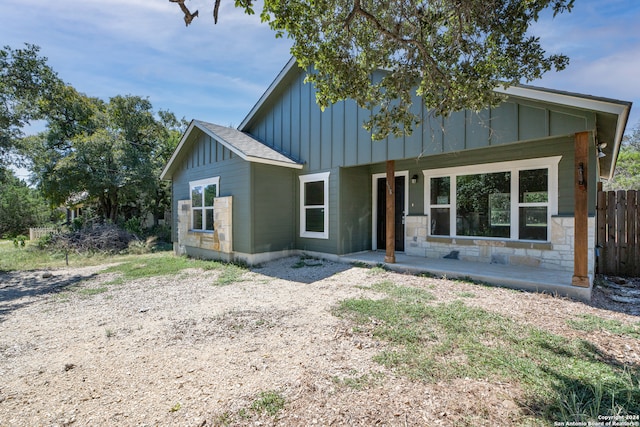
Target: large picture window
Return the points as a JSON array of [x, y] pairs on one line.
[[203, 193], [511, 200], [314, 205]]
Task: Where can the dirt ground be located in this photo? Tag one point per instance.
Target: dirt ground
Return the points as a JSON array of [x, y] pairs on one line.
[[181, 351]]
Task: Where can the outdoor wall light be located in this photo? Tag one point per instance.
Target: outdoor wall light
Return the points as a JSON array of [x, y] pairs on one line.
[[600, 146], [414, 179]]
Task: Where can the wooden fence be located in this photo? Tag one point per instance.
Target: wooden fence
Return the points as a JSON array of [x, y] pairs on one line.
[[618, 233], [38, 232]]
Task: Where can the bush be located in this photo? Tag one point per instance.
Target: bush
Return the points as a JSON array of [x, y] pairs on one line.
[[20, 241], [133, 225], [105, 238], [161, 232]]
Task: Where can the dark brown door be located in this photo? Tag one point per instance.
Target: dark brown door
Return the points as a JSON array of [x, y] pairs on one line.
[[382, 213]]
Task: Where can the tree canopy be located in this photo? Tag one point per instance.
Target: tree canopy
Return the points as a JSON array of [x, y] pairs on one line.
[[21, 207], [627, 175], [25, 78], [452, 53], [111, 151]]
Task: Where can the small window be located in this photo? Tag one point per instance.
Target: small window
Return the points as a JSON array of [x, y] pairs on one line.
[[533, 202], [203, 193], [440, 206], [314, 206]]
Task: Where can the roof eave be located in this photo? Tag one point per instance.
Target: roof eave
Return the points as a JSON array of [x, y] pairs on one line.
[[291, 164], [165, 175], [621, 109]]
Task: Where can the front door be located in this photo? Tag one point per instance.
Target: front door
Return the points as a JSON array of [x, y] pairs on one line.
[[382, 213]]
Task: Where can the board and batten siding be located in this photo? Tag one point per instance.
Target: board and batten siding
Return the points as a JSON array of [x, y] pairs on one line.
[[292, 122], [274, 210], [548, 147], [354, 232], [206, 159]]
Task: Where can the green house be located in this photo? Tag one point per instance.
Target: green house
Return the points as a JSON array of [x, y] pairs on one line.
[[511, 185]]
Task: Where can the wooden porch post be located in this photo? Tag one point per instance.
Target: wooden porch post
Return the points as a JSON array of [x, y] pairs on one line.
[[581, 223], [390, 255]]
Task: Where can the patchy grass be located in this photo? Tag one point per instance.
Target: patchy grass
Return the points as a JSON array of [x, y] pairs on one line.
[[31, 257], [270, 402], [590, 323], [466, 294], [230, 273], [134, 267], [563, 379], [267, 402], [360, 382]]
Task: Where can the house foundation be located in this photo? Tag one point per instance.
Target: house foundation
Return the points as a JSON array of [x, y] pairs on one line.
[[556, 254]]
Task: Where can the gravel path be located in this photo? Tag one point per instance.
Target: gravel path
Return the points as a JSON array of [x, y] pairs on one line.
[[179, 350]]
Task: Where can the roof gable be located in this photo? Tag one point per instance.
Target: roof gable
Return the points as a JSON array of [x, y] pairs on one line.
[[240, 143]]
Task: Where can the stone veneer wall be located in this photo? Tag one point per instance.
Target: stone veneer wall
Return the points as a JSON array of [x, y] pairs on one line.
[[220, 240], [557, 254]]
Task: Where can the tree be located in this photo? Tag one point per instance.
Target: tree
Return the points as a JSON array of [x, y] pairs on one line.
[[25, 78], [112, 151], [21, 207], [452, 53], [627, 175]]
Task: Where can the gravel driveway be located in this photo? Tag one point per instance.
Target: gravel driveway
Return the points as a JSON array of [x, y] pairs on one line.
[[178, 350]]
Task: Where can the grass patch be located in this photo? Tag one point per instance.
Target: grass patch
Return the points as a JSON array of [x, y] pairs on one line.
[[466, 294], [31, 257], [591, 323], [377, 270], [563, 379], [270, 402], [230, 273], [134, 267], [361, 382]]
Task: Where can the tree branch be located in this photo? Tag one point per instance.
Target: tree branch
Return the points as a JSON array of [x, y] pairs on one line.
[[188, 16]]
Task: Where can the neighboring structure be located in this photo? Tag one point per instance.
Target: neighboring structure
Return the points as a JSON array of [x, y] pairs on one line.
[[514, 184]]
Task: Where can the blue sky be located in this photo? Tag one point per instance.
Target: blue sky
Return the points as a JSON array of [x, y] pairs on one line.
[[217, 72]]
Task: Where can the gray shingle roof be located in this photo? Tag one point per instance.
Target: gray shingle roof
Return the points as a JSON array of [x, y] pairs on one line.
[[245, 146]]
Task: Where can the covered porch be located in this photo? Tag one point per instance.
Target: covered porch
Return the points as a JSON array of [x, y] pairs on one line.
[[522, 277]]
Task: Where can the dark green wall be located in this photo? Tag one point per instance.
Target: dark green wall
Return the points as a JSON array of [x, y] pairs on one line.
[[355, 210], [291, 121], [273, 208]]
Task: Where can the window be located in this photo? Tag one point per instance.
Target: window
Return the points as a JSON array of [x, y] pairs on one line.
[[203, 193], [314, 205], [483, 206], [511, 200], [533, 199], [440, 205]]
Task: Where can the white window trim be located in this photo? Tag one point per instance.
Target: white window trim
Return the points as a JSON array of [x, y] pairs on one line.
[[202, 183], [515, 166], [323, 176]]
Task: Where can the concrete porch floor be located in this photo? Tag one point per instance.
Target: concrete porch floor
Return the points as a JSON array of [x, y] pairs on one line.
[[510, 276]]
